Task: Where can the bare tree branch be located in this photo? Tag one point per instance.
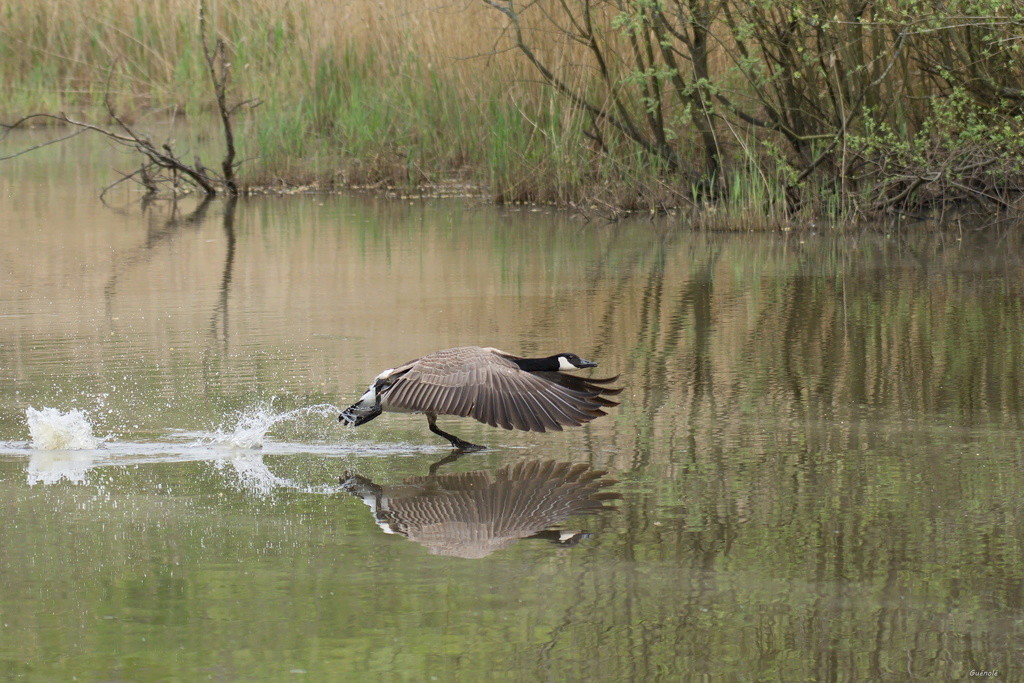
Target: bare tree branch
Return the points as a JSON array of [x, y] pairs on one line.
[[41, 144]]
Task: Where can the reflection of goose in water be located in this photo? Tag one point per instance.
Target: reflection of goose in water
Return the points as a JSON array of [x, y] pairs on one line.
[[489, 385], [472, 514]]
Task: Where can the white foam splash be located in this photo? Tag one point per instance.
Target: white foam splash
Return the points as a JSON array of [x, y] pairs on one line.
[[52, 430], [251, 427]]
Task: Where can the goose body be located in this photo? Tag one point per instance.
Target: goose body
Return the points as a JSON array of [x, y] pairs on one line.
[[489, 385]]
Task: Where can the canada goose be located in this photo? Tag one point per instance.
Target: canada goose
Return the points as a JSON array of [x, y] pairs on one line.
[[489, 385], [472, 514]]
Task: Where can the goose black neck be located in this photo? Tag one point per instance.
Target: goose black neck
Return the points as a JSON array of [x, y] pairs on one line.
[[537, 364]]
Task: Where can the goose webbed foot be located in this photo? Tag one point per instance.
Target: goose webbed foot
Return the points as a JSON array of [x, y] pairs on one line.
[[461, 446]]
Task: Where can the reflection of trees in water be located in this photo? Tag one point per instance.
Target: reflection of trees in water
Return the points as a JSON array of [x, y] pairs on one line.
[[790, 405], [906, 338], [720, 333], [219, 319], [161, 228], [164, 228], [657, 620]]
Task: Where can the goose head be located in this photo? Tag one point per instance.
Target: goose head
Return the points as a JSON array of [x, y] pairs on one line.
[[570, 361], [367, 407]]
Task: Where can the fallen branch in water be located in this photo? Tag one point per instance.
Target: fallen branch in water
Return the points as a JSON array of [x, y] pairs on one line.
[[160, 157]]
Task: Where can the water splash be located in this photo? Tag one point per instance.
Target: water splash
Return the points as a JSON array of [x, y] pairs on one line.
[[64, 448], [251, 427], [52, 430]]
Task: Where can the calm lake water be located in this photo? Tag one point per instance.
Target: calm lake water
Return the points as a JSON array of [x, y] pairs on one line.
[[819, 454]]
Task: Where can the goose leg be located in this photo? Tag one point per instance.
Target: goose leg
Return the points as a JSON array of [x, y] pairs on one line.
[[457, 443]]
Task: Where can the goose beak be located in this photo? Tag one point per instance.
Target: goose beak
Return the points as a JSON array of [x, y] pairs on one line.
[[586, 364], [355, 415]]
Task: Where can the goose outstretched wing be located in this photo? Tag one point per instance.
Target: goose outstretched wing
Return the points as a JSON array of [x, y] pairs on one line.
[[487, 385]]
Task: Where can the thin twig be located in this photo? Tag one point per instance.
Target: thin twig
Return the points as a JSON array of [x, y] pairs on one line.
[[42, 144]]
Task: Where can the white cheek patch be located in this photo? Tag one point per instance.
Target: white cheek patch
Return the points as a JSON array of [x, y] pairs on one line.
[[370, 397], [564, 364]]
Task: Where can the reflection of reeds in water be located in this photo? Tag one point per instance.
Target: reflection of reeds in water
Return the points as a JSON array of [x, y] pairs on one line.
[[472, 514]]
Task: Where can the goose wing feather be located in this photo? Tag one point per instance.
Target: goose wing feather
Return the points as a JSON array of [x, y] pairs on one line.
[[486, 385]]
